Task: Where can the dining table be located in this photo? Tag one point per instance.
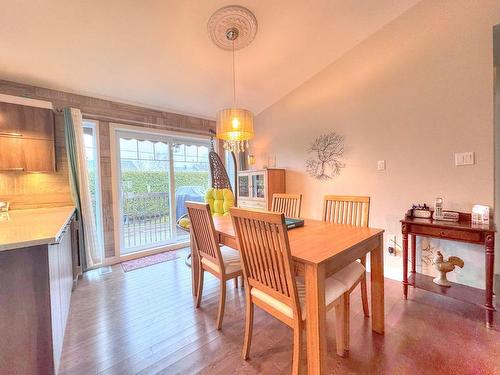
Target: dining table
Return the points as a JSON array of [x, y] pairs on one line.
[[319, 249]]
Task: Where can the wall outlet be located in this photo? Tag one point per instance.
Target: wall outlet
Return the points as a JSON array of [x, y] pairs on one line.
[[393, 248], [381, 165], [464, 158]]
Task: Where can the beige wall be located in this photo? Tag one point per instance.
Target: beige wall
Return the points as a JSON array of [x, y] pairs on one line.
[[413, 94]]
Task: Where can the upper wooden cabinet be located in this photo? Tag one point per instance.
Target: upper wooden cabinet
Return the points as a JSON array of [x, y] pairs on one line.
[[26, 122], [26, 138]]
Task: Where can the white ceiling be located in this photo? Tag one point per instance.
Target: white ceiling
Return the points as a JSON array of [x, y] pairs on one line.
[[157, 53]]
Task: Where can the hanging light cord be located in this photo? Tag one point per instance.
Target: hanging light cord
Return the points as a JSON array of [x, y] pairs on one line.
[[234, 79]]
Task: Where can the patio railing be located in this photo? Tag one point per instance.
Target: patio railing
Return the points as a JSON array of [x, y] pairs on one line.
[[146, 219]]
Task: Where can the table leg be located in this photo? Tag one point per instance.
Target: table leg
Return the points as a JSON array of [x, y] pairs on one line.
[[413, 253], [194, 266], [490, 259], [315, 319], [377, 287], [405, 261]]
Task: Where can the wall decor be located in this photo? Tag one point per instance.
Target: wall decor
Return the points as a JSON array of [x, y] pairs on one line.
[[326, 152]]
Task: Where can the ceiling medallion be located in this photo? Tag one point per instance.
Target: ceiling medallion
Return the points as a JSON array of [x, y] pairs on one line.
[[232, 17]]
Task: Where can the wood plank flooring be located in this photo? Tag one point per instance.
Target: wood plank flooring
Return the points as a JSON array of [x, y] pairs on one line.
[[144, 322]]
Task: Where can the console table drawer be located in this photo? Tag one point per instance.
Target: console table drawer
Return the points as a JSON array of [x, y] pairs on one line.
[[450, 234]]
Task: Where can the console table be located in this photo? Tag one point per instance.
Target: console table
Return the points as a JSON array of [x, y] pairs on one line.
[[463, 231]]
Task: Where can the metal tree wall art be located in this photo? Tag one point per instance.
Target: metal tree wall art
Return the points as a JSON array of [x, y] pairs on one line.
[[326, 159]]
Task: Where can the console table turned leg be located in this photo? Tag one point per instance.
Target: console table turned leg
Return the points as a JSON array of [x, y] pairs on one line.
[[405, 261], [490, 259]]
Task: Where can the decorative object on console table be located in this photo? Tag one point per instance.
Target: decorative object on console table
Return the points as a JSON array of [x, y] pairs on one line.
[[445, 266], [442, 215], [480, 214], [420, 210], [463, 231]]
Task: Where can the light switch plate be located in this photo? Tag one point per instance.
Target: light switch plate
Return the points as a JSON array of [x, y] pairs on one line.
[[464, 158], [381, 165]]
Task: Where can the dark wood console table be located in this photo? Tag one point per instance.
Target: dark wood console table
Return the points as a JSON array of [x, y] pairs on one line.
[[463, 231]]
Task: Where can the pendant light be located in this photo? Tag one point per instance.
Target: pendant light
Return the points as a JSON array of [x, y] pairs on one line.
[[234, 125]]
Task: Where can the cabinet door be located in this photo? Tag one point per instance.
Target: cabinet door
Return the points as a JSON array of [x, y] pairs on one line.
[[258, 186], [29, 155], [25, 121], [38, 155], [11, 154], [244, 185]]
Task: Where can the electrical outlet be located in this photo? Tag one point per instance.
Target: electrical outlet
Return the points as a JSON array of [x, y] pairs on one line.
[[381, 165], [391, 244]]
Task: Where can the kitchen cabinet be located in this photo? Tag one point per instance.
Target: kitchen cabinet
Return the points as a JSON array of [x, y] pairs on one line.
[[256, 187], [26, 122], [26, 138], [36, 281]]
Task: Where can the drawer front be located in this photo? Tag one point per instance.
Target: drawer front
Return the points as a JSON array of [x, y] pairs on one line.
[[258, 205], [451, 234]]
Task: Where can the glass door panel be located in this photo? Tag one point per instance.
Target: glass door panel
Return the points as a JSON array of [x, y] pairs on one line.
[[144, 192], [243, 186], [258, 186], [90, 139], [191, 178]]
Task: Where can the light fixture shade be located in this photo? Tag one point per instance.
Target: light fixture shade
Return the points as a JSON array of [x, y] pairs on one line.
[[234, 124]]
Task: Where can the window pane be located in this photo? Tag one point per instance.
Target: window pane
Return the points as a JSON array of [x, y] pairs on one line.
[[231, 169], [146, 150], [179, 152], [90, 144], [161, 151], [128, 148], [192, 179]]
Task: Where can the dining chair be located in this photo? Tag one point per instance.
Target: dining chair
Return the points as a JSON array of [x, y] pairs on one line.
[[222, 262], [289, 204], [350, 210], [270, 282]]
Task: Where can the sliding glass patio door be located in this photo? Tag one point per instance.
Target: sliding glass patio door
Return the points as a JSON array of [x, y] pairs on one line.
[[157, 175]]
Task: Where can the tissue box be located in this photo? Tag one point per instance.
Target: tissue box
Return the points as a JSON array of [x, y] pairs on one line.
[[480, 214]]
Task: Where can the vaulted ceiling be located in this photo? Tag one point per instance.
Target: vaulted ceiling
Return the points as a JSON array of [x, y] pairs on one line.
[[157, 53]]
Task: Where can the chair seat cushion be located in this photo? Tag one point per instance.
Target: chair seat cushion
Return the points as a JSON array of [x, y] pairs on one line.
[[333, 290], [231, 260], [350, 274]]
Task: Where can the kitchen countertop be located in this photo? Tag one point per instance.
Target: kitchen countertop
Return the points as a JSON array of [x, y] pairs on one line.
[[40, 226]]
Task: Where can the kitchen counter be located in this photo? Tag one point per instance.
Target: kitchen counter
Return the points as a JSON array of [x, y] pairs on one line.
[[41, 226]]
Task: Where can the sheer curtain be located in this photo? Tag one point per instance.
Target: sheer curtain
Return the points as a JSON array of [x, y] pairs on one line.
[[90, 251]]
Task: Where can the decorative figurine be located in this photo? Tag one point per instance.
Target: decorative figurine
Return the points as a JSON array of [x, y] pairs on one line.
[[420, 210], [445, 266]]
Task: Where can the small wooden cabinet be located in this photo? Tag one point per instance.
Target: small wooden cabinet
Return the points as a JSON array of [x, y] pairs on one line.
[[26, 138], [256, 187]]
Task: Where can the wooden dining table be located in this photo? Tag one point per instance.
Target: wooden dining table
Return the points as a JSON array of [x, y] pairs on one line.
[[319, 249]]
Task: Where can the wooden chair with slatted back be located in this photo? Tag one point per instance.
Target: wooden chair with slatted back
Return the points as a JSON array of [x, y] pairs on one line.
[[289, 204], [269, 277], [350, 210], [222, 262]]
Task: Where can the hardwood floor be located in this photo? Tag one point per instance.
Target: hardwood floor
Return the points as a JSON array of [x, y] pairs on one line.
[[144, 322]]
